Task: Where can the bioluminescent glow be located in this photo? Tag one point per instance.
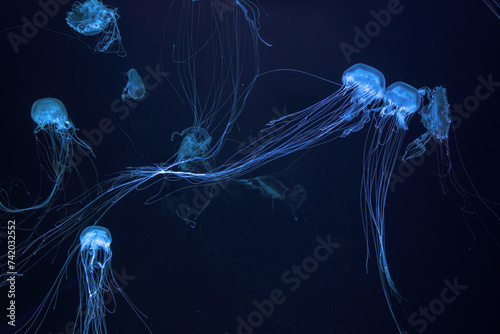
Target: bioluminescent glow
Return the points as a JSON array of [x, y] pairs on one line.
[[216, 62], [400, 102], [134, 89], [94, 18], [193, 153], [435, 118], [56, 139], [97, 285], [494, 5], [96, 277]]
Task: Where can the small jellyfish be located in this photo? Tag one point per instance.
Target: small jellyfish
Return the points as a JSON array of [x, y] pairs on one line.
[[194, 153], [55, 148], [93, 18], [134, 89]]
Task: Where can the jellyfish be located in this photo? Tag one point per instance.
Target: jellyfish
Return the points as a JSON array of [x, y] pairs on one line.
[[134, 89], [94, 18], [435, 118], [227, 39], [400, 102], [96, 279], [96, 284], [194, 152], [55, 150], [96, 276], [336, 116]]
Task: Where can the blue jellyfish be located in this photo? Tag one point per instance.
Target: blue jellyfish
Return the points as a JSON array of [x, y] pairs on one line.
[[193, 154], [52, 120], [134, 89], [96, 283], [334, 117], [228, 40], [435, 118], [400, 102], [94, 18], [96, 277]]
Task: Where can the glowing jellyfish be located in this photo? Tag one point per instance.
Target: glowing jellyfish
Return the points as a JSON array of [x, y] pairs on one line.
[[401, 101], [94, 18], [134, 89], [435, 118], [194, 152], [226, 39], [95, 257], [97, 284], [367, 85], [56, 149], [96, 279], [334, 117]]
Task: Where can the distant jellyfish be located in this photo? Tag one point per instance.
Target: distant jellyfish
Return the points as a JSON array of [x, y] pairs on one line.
[[295, 197], [194, 152], [94, 18], [268, 186], [134, 89], [55, 147]]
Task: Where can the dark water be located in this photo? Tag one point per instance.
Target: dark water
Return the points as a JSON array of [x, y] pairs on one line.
[[240, 254]]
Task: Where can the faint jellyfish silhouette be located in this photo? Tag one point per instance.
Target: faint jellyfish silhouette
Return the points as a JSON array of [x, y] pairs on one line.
[[272, 188], [295, 197], [93, 18], [134, 89], [194, 152], [55, 150]]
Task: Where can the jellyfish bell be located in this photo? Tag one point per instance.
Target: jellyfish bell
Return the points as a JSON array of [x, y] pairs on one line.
[[401, 100], [50, 113], [366, 87], [89, 18], [95, 237], [366, 82]]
